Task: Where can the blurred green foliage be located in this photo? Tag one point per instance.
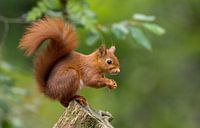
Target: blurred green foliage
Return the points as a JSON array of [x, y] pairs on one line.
[[157, 88], [78, 12]]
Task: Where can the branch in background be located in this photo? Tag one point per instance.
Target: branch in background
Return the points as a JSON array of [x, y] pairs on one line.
[[19, 20], [5, 32], [77, 116], [6, 22], [64, 9]]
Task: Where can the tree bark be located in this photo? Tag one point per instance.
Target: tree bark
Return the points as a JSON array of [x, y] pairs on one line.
[[78, 116]]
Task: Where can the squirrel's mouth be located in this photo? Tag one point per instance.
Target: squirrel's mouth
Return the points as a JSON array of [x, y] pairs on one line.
[[115, 71]]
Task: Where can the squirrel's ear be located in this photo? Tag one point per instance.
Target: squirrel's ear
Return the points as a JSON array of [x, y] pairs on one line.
[[102, 50], [112, 49]]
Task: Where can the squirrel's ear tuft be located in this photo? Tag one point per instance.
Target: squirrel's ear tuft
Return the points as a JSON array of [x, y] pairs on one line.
[[102, 50], [112, 49]]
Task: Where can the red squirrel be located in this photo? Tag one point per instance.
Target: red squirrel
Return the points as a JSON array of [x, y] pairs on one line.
[[60, 71]]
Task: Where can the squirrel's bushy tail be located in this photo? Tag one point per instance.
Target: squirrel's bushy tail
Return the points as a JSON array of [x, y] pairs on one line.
[[63, 40]]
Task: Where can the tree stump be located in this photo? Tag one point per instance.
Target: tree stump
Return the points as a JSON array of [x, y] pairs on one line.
[[78, 116]]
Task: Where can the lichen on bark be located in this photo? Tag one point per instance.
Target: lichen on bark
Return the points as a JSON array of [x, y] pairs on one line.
[[78, 116]]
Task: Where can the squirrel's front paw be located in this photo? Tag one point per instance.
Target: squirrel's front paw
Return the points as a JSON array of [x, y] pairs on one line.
[[112, 84]]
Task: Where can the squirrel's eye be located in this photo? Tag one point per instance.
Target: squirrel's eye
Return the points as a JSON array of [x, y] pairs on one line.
[[109, 61]]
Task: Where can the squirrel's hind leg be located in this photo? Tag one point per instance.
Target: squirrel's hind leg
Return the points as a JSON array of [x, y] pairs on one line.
[[80, 99], [64, 85]]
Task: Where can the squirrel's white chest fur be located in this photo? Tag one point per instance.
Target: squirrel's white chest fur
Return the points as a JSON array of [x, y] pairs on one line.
[[81, 84]]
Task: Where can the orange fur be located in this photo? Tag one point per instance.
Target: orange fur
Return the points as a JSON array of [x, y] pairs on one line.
[[63, 41], [59, 70]]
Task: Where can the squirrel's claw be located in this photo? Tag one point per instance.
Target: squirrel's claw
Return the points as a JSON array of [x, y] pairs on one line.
[[81, 100], [112, 84]]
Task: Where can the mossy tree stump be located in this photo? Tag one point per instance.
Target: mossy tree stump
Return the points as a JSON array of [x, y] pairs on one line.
[[78, 116]]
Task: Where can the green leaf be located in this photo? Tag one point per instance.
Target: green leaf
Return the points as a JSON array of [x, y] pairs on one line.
[[82, 16], [142, 17], [155, 28], [92, 38], [47, 3], [54, 4], [120, 30], [54, 13], [34, 14], [42, 6], [140, 38], [103, 28]]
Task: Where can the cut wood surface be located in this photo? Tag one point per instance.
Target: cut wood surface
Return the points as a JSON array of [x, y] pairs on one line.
[[78, 116]]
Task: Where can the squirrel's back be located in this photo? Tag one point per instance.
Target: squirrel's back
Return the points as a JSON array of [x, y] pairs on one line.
[[63, 40]]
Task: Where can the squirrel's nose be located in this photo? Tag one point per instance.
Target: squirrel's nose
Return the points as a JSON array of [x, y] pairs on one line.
[[115, 71], [118, 70]]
